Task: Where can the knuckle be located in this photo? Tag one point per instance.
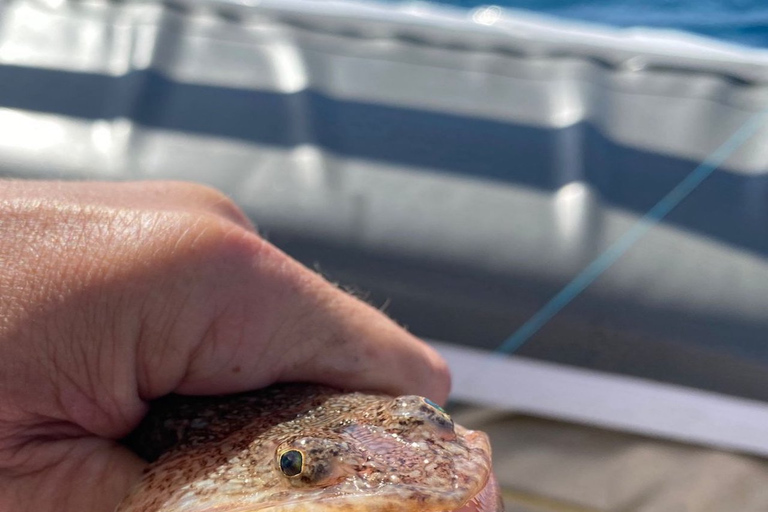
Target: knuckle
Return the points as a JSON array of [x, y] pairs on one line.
[[212, 239]]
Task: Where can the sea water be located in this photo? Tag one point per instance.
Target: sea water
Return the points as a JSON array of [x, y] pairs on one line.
[[737, 21]]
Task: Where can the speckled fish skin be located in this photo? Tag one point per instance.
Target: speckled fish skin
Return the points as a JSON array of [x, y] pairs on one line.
[[361, 453]]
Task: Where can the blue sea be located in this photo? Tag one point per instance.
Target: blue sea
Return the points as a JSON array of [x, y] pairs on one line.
[[737, 21]]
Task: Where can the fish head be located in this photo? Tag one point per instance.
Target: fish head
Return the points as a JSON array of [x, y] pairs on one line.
[[347, 452], [395, 455]]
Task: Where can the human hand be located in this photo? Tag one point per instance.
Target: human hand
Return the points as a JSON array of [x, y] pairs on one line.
[[116, 294]]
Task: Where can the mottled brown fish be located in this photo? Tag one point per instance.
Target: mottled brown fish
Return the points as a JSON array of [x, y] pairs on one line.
[[301, 448]]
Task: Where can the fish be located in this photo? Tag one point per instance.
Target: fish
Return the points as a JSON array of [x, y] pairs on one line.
[[306, 447]]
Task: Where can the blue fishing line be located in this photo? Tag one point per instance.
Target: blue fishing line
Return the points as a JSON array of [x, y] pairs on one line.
[[606, 259]]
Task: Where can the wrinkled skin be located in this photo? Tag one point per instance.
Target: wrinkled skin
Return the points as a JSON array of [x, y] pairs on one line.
[[295, 448], [117, 294]]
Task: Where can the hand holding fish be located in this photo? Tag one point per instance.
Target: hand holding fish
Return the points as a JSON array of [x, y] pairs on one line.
[[117, 294]]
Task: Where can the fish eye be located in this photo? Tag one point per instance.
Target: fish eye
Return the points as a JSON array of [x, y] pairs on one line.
[[434, 405], [291, 463], [310, 460], [437, 415], [410, 409]]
